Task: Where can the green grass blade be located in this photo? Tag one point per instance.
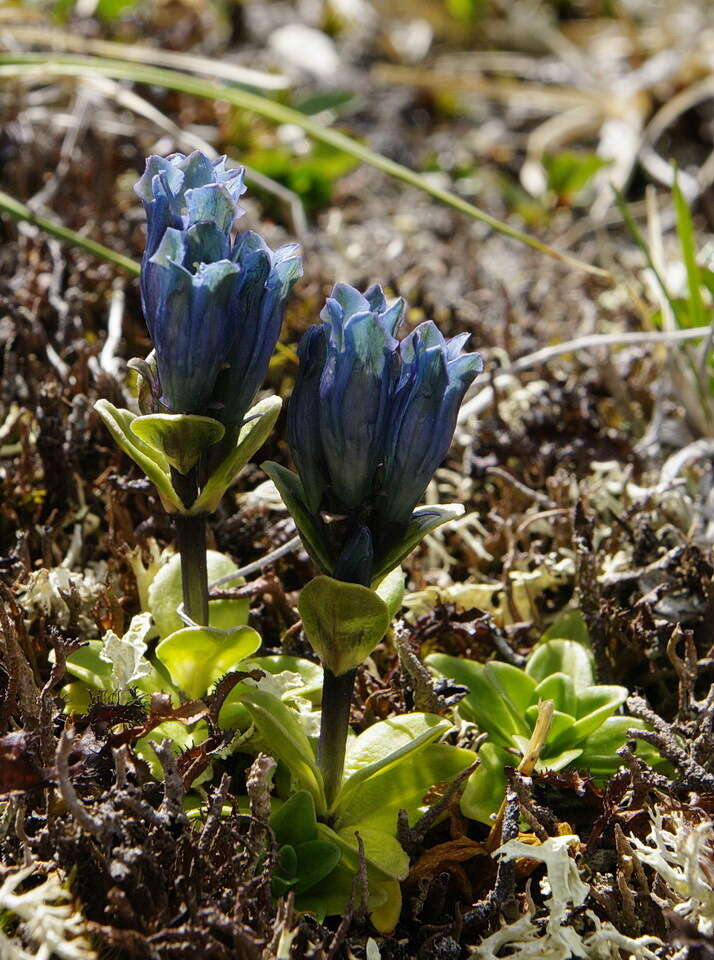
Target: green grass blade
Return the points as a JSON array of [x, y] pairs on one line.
[[19, 211], [47, 65], [687, 242], [636, 234]]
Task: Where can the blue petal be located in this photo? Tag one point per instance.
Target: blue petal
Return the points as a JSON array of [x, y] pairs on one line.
[[303, 422], [354, 396]]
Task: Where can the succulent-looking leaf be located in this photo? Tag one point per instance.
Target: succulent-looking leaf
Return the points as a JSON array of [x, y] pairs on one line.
[[343, 622], [256, 429], [291, 491], [423, 521], [384, 745], [152, 462], [561, 656], [505, 703], [404, 786], [196, 657], [181, 438], [166, 593], [280, 728], [391, 589]]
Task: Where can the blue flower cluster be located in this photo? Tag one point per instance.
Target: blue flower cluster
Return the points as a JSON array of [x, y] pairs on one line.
[[213, 304], [370, 419]]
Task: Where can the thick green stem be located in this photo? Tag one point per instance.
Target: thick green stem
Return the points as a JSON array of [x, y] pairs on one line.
[[191, 541], [334, 726]]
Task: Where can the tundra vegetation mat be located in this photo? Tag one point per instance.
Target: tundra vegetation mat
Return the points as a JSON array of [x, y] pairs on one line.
[[530, 765]]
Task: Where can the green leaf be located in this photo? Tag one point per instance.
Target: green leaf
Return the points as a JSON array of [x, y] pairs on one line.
[[687, 242], [486, 787], [423, 521], [260, 421], [599, 756], [152, 462], [488, 703], [180, 438], [87, 665], [316, 859], [402, 787], [384, 745], [595, 706], [333, 894], [343, 622], [559, 761], [561, 656], [182, 738], [569, 171], [295, 822], [280, 727], [391, 589], [381, 850], [560, 733], [310, 672], [291, 491], [559, 688], [196, 657], [570, 625], [166, 593]]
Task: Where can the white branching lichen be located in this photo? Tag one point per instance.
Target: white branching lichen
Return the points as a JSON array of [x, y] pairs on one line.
[[682, 853], [549, 934], [44, 922]]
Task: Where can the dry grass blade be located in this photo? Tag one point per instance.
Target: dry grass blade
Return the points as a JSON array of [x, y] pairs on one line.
[[62, 42], [14, 65]]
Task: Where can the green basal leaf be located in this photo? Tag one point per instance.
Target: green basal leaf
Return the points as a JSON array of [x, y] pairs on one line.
[[595, 706], [488, 705], [569, 626], [599, 756], [559, 688], [290, 488], [343, 622], [166, 593], [381, 850], [96, 674], [558, 761], [402, 787], [180, 437], [333, 894], [310, 672], [486, 787], [316, 860], [391, 589], [86, 665], [384, 745], [233, 715], [423, 521], [152, 462], [182, 738], [77, 697], [280, 728], [260, 421], [560, 733], [561, 656], [196, 657], [295, 821]]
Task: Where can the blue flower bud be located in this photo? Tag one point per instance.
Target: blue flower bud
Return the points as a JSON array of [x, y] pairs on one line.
[[369, 421], [213, 306]]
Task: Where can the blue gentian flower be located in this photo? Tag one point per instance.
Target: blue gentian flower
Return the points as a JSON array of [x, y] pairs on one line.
[[213, 305], [369, 421]]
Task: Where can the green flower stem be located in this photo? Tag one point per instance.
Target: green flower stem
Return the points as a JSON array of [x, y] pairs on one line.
[[334, 726], [191, 541]]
